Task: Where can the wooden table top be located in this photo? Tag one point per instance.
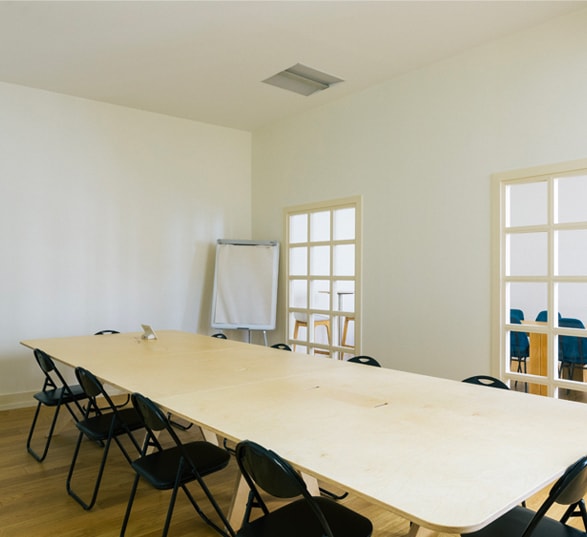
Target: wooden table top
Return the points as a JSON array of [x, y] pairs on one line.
[[448, 456]]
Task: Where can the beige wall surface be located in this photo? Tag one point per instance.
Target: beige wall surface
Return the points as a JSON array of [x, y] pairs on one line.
[[109, 219], [420, 149]]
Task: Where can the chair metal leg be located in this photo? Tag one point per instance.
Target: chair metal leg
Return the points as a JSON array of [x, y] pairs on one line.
[[576, 509], [131, 499], [35, 455], [87, 506]]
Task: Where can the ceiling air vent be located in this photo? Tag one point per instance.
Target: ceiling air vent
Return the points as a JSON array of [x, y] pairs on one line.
[[303, 80]]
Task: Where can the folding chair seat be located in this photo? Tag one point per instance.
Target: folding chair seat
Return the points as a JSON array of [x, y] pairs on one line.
[[56, 392], [523, 522], [101, 424], [172, 468], [308, 516]]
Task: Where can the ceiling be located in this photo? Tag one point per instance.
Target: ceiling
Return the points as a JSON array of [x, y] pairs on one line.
[[205, 60]]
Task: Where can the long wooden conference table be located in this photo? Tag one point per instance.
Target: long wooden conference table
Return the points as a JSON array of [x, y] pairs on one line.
[[450, 457]]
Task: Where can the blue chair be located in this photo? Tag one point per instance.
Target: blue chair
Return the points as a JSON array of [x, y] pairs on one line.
[[572, 350], [542, 317], [519, 342]]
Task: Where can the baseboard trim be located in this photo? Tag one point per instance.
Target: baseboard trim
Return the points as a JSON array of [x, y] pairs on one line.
[[16, 400]]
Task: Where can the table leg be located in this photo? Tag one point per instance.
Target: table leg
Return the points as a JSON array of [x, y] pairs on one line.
[[209, 436], [238, 504], [419, 531], [312, 484]]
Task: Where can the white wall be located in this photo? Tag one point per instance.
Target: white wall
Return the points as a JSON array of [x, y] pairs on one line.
[[109, 218], [420, 149]]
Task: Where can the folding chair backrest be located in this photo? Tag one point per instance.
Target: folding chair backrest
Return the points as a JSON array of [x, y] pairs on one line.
[[569, 489], [44, 361], [49, 368], [281, 346], [572, 486], [486, 380], [269, 471], [152, 415], [93, 388], [365, 360]]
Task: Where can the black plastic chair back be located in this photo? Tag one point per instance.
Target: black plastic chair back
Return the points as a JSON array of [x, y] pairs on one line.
[[219, 335], [269, 471], [173, 467], [105, 332], [265, 469], [153, 417], [365, 360], [55, 393], [568, 490], [91, 385], [281, 346], [101, 425], [44, 361], [486, 380]]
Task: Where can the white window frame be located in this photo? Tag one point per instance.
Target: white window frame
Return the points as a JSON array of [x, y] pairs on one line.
[[335, 349], [501, 326]]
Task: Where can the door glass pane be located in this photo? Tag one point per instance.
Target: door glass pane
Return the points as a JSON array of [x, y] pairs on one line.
[[344, 224], [320, 260], [298, 297], [344, 260], [527, 204], [320, 294], [572, 301], [344, 296], [531, 298], [298, 228], [320, 226], [528, 254], [298, 261], [572, 252], [572, 199]]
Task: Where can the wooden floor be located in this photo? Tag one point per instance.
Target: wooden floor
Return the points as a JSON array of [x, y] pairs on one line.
[[34, 502]]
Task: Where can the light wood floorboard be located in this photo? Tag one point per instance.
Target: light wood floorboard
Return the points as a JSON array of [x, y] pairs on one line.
[[34, 502]]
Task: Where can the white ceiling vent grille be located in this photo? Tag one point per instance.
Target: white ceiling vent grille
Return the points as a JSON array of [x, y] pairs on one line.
[[303, 80]]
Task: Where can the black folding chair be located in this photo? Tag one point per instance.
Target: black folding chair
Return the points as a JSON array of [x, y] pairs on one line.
[[307, 516], [219, 335], [56, 392], [172, 468], [281, 346], [365, 360], [101, 425], [486, 380], [523, 522]]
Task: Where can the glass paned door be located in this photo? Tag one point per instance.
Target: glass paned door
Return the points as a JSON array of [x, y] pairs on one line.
[[543, 280], [323, 278]]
